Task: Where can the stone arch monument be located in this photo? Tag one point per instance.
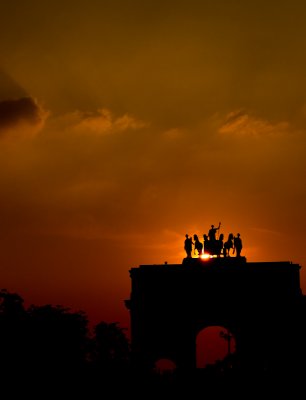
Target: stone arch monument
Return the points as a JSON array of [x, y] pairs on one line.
[[260, 303]]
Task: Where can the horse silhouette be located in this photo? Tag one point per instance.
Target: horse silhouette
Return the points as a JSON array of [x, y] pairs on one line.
[[198, 245], [229, 244]]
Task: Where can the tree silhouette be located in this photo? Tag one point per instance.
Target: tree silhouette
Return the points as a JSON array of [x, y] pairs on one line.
[[58, 338], [110, 347], [52, 344], [13, 323]]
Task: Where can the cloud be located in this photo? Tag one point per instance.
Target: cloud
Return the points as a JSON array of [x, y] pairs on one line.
[[173, 134], [243, 124], [9, 87], [100, 122], [22, 117]]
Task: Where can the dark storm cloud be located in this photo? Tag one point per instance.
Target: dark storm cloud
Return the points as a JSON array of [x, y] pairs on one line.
[[9, 88], [24, 111]]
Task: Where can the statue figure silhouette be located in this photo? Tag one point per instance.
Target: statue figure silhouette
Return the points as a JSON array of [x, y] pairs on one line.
[[213, 231], [212, 244], [237, 245], [188, 245]]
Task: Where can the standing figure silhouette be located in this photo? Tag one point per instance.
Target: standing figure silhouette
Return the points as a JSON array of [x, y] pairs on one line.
[[237, 245], [212, 232], [188, 245]]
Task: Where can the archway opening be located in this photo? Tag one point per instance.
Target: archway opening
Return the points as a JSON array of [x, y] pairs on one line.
[[164, 366], [214, 344]]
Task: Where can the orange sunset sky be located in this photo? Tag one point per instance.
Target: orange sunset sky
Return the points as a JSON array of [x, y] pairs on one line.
[[125, 124]]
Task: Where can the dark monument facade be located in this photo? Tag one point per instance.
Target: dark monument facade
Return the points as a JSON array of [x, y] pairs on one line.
[[260, 303]]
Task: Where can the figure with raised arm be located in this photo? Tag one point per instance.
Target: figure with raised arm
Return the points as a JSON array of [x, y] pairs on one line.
[[212, 232]]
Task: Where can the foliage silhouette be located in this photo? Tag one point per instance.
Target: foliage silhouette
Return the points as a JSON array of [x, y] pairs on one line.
[[111, 347], [53, 343], [13, 337], [58, 338]]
